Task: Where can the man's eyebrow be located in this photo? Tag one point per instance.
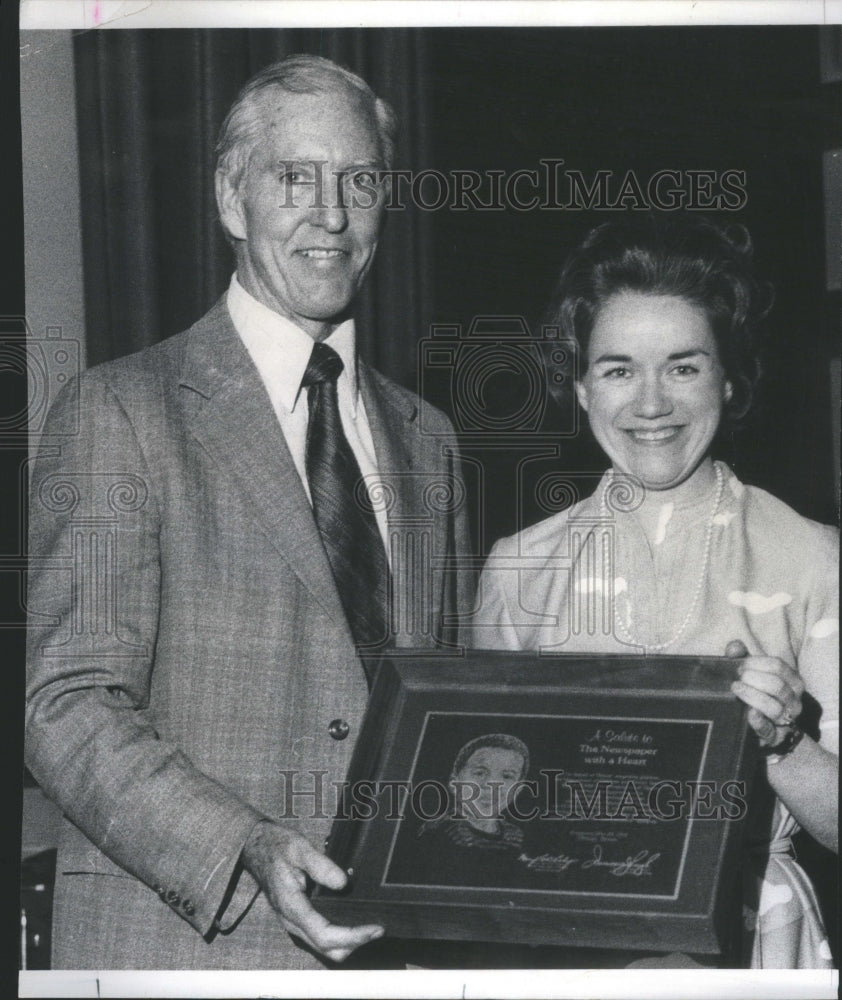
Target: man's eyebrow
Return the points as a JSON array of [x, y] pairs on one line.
[[321, 166], [373, 164], [314, 161]]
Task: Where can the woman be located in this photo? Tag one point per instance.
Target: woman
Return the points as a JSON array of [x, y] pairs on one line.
[[672, 554]]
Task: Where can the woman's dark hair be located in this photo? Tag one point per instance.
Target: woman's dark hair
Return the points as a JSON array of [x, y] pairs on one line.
[[498, 740], [682, 255]]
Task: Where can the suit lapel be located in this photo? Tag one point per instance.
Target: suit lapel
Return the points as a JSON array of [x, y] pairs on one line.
[[393, 418], [390, 416], [228, 411], [392, 422]]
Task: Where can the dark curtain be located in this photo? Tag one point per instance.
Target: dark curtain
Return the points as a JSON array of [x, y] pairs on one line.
[[150, 104]]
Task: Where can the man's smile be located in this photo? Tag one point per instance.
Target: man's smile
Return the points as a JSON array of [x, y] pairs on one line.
[[316, 253]]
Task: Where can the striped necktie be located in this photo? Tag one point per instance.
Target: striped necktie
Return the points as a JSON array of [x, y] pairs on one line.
[[341, 507]]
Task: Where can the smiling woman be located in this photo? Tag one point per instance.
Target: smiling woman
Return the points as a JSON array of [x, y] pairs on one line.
[[673, 553], [654, 387]]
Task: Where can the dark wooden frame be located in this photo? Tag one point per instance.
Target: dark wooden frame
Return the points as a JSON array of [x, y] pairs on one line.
[[700, 919]]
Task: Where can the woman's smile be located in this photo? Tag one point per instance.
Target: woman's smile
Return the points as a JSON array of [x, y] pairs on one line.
[[659, 436]]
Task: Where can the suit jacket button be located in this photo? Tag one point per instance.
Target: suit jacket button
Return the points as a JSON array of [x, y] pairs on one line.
[[188, 907], [173, 897], [339, 729]]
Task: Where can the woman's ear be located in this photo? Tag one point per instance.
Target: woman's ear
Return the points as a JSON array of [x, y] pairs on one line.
[[582, 395]]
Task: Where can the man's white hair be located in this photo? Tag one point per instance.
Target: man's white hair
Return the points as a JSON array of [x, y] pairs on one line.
[[245, 124]]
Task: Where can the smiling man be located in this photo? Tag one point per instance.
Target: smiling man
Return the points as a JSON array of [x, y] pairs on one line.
[[303, 238], [195, 688]]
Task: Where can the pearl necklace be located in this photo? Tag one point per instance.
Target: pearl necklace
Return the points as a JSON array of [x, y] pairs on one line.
[[720, 485]]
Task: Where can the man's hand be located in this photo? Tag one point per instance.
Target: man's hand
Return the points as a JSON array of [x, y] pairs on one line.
[[771, 689], [280, 860]]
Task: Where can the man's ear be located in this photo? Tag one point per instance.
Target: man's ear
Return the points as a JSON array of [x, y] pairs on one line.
[[230, 206], [582, 395], [729, 392]]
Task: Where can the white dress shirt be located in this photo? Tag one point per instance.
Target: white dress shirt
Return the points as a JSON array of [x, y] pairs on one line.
[[281, 351]]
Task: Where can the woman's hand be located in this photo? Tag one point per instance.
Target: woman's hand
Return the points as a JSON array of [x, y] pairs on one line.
[[771, 689], [805, 780]]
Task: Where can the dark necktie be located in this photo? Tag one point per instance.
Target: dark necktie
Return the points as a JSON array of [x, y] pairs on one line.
[[346, 522]]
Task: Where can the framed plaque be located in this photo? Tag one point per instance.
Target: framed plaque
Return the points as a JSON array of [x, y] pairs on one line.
[[590, 801]]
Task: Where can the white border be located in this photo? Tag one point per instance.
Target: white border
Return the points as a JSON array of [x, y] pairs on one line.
[[702, 984], [80, 14]]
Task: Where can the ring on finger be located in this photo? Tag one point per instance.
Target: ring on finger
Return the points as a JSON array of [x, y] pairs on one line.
[[787, 718]]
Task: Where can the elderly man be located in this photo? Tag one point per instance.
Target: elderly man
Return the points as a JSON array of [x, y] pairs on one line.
[[206, 566]]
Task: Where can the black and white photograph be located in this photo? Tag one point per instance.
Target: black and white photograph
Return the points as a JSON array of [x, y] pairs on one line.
[[352, 336]]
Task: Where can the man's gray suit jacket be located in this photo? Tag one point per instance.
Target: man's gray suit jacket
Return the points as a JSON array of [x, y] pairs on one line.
[[188, 648]]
